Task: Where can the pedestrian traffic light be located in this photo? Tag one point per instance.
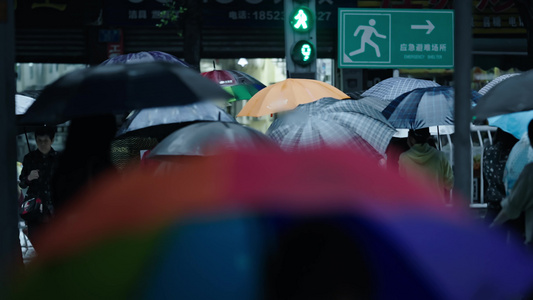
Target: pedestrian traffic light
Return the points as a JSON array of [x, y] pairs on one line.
[[302, 19], [303, 53], [300, 38]]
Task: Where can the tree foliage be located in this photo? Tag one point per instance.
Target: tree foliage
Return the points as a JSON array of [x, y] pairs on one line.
[[171, 15]]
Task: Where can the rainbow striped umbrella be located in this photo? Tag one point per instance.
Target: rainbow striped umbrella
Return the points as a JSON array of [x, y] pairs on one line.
[[274, 225]]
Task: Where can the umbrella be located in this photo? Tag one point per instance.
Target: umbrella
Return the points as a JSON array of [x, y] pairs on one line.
[[287, 94], [249, 225], [159, 122], [519, 157], [241, 85], [22, 103], [509, 96], [376, 103], [333, 122], [390, 88], [513, 123], [145, 56], [210, 138], [495, 81], [118, 88], [424, 107]]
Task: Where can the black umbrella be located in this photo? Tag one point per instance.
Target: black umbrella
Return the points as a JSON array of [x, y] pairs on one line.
[[509, 96], [120, 88], [211, 138], [159, 122]]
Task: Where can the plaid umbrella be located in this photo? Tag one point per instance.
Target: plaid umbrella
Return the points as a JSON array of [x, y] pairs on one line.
[[424, 107], [494, 82], [509, 96], [333, 122], [377, 103], [393, 87]]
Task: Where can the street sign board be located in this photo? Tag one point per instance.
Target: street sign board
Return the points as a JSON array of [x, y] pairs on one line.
[[395, 38]]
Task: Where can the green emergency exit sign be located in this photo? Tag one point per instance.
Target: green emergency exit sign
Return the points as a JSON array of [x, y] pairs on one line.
[[395, 38]]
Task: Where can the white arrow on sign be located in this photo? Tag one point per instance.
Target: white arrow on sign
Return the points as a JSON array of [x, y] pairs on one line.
[[429, 27]]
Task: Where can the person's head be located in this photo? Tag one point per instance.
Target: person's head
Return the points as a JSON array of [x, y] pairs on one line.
[[91, 135], [418, 136], [506, 139], [530, 132], [44, 137]]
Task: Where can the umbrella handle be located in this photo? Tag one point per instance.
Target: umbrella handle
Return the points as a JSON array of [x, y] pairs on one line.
[[27, 141]]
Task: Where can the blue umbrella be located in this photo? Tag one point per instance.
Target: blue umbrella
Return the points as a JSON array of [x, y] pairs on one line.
[[424, 107], [390, 88], [159, 122], [513, 123]]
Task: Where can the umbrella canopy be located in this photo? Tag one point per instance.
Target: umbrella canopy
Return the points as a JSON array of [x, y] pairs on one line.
[[390, 88], [145, 56], [210, 138], [119, 88], [239, 84], [494, 82], [159, 122], [277, 225], [377, 103], [287, 94], [424, 107], [513, 123], [509, 96], [22, 103], [333, 122]]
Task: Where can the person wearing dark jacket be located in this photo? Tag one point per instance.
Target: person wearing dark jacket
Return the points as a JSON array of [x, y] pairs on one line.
[[86, 156], [38, 167]]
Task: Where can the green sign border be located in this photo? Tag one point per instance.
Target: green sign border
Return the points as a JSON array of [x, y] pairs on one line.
[[386, 65]]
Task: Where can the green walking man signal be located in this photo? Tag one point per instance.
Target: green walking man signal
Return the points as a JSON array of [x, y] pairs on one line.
[[302, 19]]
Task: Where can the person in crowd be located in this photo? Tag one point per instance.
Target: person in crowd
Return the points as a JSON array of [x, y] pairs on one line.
[[38, 167], [85, 157], [494, 159], [396, 147], [520, 199], [424, 159]]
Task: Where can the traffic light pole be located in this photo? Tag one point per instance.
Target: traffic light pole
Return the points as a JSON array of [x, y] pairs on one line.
[[10, 252], [300, 38]]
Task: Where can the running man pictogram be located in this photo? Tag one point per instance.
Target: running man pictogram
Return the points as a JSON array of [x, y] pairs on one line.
[[366, 37]]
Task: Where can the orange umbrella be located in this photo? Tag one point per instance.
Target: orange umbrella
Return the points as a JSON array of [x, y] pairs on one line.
[[287, 94]]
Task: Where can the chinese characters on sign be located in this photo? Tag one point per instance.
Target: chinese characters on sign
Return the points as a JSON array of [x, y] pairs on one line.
[[395, 38]]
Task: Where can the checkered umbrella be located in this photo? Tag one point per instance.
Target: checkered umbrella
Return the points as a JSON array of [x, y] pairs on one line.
[[424, 107], [391, 88], [494, 82], [333, 122]]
